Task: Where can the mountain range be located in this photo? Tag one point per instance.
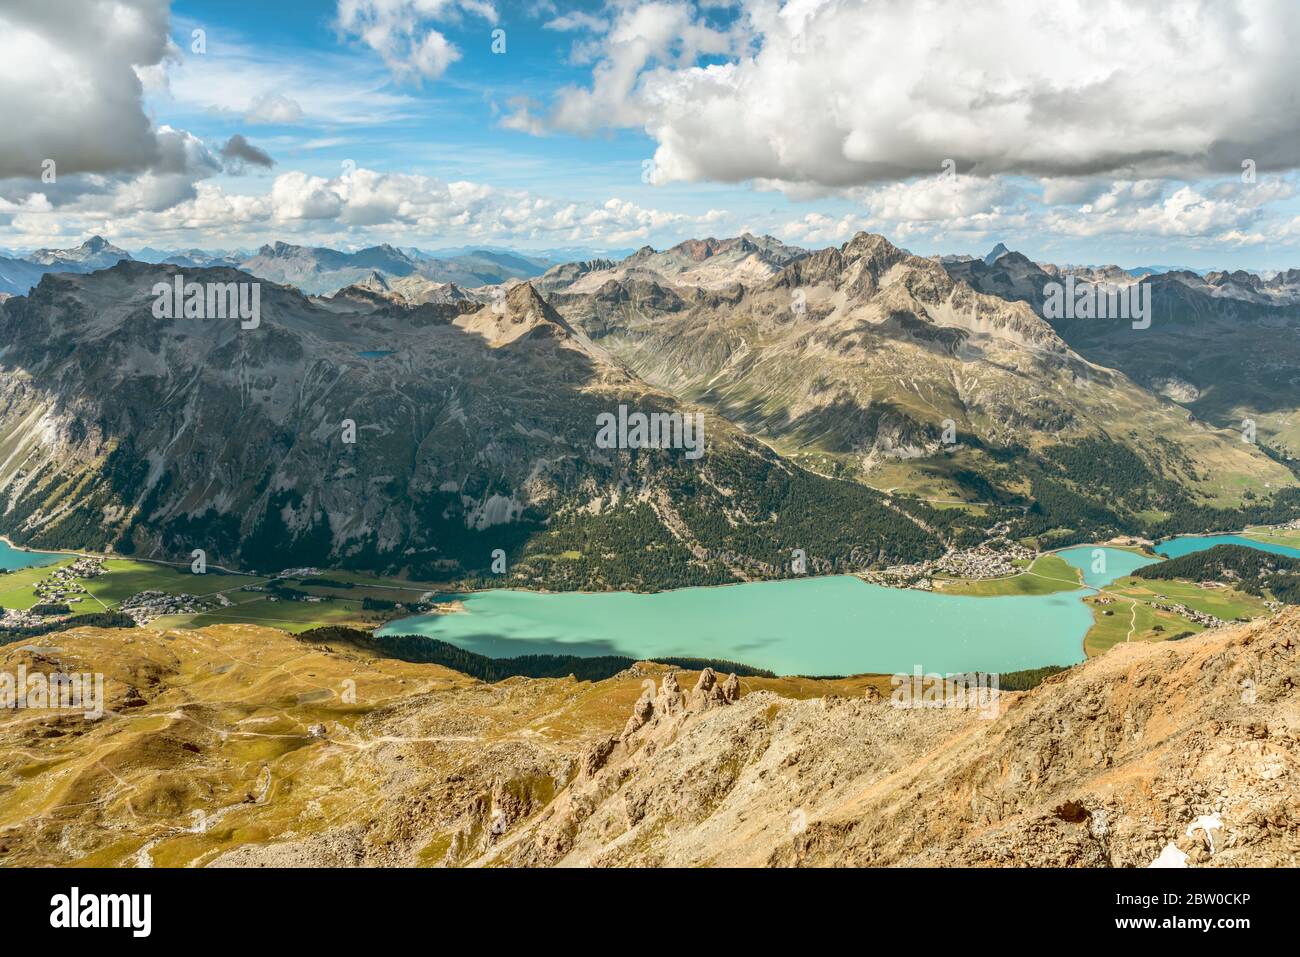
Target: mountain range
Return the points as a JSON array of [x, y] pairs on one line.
[[313, 269], [474, 429], [1222, 344], [867, 362], [850, 394]]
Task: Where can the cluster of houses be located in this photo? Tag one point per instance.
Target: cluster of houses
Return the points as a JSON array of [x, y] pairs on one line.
[[988, 560], [992, 558], [17, 618], [62, 584], [1191, 614], [145, 606], [59, 588], [914, 575]]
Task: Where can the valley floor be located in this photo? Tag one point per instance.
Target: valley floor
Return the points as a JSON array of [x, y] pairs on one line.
[[300, 599]]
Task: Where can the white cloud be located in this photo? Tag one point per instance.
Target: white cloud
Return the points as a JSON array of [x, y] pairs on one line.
[[837, 93], [403, 32], [939, 198], [820, 229], [299, 196], [644, 37], [1128, 209], [272, 108], [357, 206], [69, 90], [576, 20]]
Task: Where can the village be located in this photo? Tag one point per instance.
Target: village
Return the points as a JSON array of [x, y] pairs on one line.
[[63, 585], [1191, 614], [145, 606], [992, 558], [58, 592]]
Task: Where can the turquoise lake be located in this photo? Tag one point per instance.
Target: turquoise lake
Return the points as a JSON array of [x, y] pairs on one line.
[[837, 625], [13, 558], [816, 626], [1198, 543], [1114, 563]]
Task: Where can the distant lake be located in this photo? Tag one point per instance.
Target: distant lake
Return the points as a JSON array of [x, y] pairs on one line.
[[375, 353], [14, 558], [1199, 543], [815, 626]]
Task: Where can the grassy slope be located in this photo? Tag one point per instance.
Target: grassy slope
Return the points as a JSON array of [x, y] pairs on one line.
[[1109, 630], [126, 578], [16, 587], [225, 733], [1274, 536]]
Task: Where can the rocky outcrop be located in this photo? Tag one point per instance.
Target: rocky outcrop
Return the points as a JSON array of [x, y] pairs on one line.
[[1186, 751], [671, 703]]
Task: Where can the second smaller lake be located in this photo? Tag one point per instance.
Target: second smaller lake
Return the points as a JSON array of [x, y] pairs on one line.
[[1186, 544], [1101, 566]]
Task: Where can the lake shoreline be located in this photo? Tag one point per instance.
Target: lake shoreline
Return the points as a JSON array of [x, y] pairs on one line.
[[805, 624], [438, 588]]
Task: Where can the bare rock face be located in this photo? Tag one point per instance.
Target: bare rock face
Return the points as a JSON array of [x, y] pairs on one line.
[[657, 718], [670, 700], [731, 689], [1148, 751], [642, 712], [707, 693], [595, 756]]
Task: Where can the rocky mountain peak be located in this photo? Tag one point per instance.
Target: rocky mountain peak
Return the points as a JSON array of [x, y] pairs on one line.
[[698, 250], [279, 249], [872, 250], [375, 281], [995, 254], [524, 306]]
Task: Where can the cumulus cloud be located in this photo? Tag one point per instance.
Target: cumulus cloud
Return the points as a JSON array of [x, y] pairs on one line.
[[839, 93], [1184, 212], [657, 39], [272, 108], [69, 88], [404, 32], [820, 229], [939, 198], [357, 206]]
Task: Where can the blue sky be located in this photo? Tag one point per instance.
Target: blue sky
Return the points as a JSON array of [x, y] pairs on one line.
[[609, 124], [449, 128]]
